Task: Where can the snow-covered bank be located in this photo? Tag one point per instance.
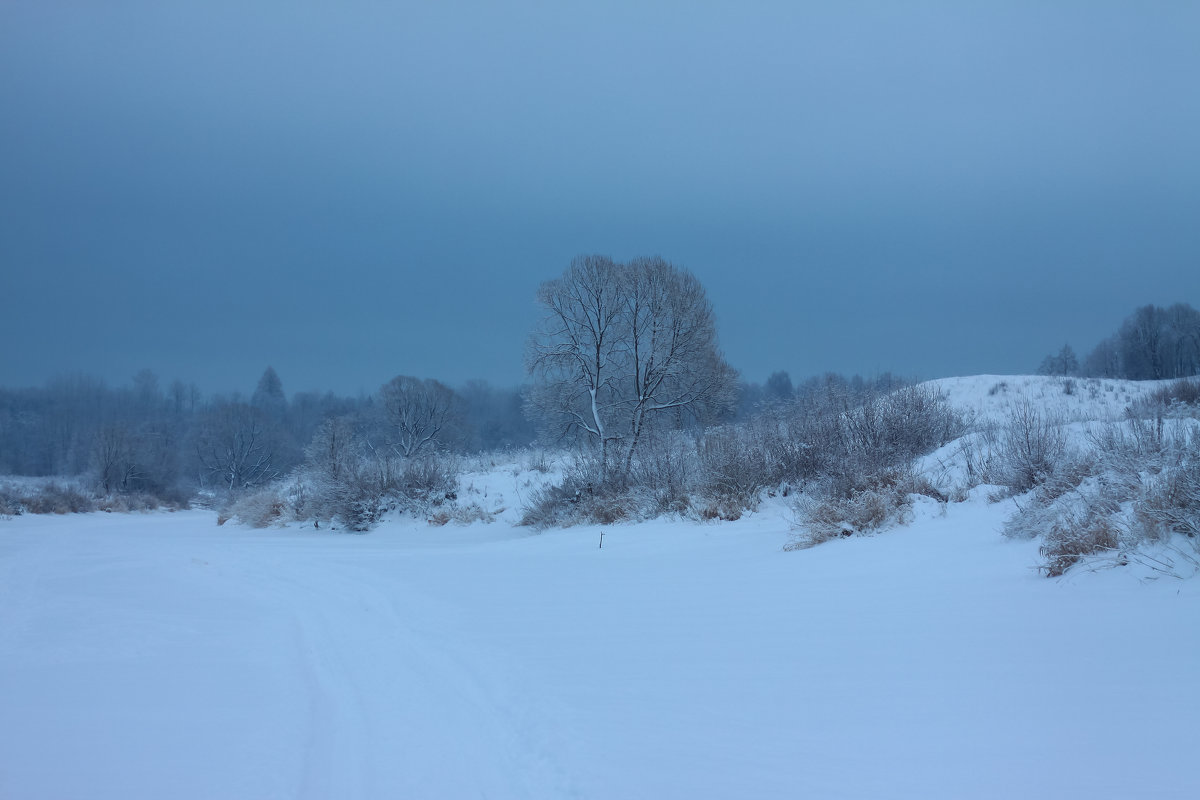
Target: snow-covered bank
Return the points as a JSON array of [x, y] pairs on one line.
[[161, 655]]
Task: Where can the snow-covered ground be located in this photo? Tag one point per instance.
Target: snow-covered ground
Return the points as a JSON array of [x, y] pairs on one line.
[[161, 655], [158, 655], [992, 397]]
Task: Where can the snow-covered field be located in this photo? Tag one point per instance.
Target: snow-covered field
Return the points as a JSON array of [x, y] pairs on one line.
[[163, 656]]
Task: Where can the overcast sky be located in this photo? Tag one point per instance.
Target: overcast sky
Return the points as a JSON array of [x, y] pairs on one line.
[[348, 191]]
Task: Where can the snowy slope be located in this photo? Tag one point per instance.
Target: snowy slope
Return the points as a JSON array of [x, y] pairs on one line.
[[159, 655]]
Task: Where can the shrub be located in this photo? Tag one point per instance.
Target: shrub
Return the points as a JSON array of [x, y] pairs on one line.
[[10, 503], [587, 494], [1140, 484], [846, 505], [259, 508], [463, 515], [356, 491], [736, 464], [56, 498], [1177, 398], [1032, 446], [1025, 452], [1069, 541], [1171, 502]]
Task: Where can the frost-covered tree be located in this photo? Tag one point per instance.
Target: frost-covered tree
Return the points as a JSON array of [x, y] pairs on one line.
[[623, 345], [417, 411]]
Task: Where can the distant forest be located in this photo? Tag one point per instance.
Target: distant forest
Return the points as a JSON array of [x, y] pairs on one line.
[[159, 436], [1153, 343]]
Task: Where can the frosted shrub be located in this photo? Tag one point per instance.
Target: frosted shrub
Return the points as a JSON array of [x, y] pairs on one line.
[[1171, 503], [840, 507], [588, 493], [428, 480], [663, 474], [1069, 541], [355, 491], [899, 426], [259, 508], [10, 503], [736, 465], [1032, 446], [1180, 398], [56, 498], [463, 515], [1028, 450], [1143, 487]]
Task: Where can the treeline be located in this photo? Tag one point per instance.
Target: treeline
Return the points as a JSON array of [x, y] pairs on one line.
[[174, 440], [1153, 343]]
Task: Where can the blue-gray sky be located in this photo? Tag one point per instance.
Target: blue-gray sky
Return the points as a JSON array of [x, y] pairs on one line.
[[348, 191]]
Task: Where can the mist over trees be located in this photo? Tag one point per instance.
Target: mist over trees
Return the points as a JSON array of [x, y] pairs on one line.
[[172, 441]]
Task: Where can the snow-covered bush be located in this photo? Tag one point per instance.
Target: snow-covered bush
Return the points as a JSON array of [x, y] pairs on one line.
[[257, 508], [462, 514], [1171, 501], [846, 505], [587, 493], [1032, 446], [10, 502], [736, 463], [345, 482], [1140, 485], [1179, 398], [1029, 449], [664, 474], [369, 487], [52, 497], [868, 475]]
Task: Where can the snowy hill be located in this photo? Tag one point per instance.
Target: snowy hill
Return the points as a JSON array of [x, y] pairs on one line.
[[161, 655]]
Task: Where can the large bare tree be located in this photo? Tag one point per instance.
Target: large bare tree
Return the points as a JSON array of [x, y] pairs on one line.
[[622, 344]]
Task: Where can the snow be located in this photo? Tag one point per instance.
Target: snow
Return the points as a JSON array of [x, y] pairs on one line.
[[991, 397], [161, 655]]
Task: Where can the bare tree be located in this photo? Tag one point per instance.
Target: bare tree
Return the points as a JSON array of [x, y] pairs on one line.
[[620, 345], [236, 445], [1183, 324], [575, 353], [1144, 344], [417, 410], [672, 360], [113, 458], [1065, 363]]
